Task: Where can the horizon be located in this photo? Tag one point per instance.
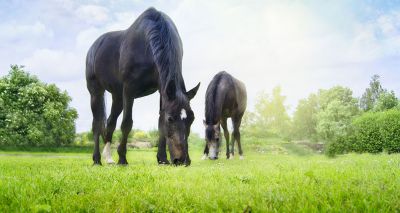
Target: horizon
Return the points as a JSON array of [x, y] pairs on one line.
[[302, 47]]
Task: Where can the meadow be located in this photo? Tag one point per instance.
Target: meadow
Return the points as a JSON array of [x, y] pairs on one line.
[[278, 177]]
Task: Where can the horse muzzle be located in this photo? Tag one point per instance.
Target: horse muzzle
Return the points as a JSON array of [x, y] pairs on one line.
[[182, 161]]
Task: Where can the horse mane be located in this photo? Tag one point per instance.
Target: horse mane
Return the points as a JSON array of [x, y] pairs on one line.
[[213, 109], [166, 47]]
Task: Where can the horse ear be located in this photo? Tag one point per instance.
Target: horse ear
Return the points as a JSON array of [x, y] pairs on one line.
[[191, 93], [171, 90]]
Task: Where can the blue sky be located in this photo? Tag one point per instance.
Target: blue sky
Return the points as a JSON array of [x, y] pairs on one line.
[[300, 45]]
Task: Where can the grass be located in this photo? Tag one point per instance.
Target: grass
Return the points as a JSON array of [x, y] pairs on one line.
[[286, 180]]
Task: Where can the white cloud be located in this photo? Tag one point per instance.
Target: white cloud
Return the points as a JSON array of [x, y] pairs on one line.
[[377, 38], [55, 65], [11, 32], [93, 14]]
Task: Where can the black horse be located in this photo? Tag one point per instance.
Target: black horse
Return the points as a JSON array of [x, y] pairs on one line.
[[225, 97], [133, 63]]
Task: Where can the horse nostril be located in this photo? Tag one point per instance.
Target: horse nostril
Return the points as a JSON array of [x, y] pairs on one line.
[[213, 158]]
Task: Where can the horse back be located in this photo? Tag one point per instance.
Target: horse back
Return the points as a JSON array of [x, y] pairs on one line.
[[235, 97], [225, 96]]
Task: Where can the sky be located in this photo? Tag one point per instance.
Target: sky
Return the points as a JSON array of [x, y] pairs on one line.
[[301, 46]]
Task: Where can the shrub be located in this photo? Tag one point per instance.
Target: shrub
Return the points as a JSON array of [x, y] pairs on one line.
[[367, 134], [140, 135], [372, 132], [389, 123], [341, 145]]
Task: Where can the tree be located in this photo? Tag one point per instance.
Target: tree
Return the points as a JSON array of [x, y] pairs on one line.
[[34, 113], [337, 108], [371, 94], [271, 113], [305, 118], [386, 101]]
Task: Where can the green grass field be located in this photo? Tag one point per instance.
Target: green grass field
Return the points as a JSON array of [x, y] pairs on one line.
[[266, 181]]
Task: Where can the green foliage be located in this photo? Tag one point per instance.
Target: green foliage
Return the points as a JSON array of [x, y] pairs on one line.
[[305, 118], [371, 94], [372, 132], [33, 113], [325, 115], [376, 98], [389, 122], [386, 100], [340, 145], [337, 108], [367, 134], [140, 135], [270, 116]]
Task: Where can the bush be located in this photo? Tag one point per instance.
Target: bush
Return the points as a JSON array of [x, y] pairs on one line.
[[367, 134], [33, 113], [341, 145], [389, 122], [372, 132], [140, 135]]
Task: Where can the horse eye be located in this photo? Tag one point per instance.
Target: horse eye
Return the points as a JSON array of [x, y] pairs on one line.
[[170, 119], [217, 139]]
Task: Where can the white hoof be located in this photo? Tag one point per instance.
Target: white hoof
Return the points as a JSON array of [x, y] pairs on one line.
[[241, 157], [107, 153], [231, 157], [204, 157]]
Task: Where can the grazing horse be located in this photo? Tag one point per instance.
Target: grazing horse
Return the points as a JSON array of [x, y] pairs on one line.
[[225, 98], [133, 63]]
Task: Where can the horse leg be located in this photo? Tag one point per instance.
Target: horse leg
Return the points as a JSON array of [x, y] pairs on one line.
[[226, 134], [205, 152], [162, 144], [98, 111], [126, 126], [233, 143], [116, 110], [236, 133], [162, 150]]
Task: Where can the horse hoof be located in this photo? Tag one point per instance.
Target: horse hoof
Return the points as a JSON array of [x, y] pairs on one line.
[[122, 162], [204, 157], [241, 157], [97, 163], [230, 157], [162, 162]]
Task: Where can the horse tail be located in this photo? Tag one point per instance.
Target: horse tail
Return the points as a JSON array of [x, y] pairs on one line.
[[163, 45], [213, 110]]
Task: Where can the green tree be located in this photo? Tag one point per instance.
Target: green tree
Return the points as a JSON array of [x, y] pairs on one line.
[[337, 108], [371, 94], [34, 113], [305, 118], [386, 100], [271, 113]]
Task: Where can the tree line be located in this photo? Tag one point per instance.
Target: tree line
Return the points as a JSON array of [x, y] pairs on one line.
[[333, 117], [33, 113]]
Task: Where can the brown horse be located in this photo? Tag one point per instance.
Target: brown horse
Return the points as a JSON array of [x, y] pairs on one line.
[[225, 98], [133, 63]]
